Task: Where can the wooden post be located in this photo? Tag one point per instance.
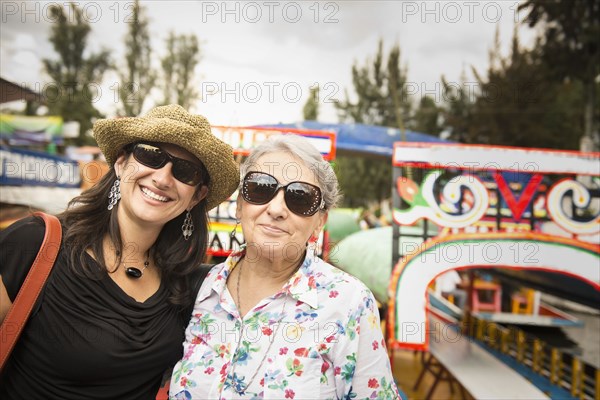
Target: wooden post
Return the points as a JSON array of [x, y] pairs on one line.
[[520, 346], [470, 291], [492, 333], [554, 367], [504, 340], [480, 329], [597, 384], [575, 377], [537, 354]]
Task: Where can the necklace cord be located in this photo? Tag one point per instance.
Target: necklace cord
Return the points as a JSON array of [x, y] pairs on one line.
[[243, 325]]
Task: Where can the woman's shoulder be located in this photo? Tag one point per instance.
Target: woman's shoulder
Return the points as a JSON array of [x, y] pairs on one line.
[[25, 232], [340, 290], [330, 275], [212, 273], [215, 269], [19, 244]]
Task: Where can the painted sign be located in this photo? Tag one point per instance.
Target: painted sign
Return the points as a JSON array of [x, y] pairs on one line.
[[19, 130], [245, 139], [495, 207], [408, 322], [29, 168]]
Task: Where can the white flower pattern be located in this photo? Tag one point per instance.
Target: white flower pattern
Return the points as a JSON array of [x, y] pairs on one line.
[[329, 344]]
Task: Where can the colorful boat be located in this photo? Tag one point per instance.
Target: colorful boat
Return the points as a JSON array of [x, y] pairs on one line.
[[532, 212]]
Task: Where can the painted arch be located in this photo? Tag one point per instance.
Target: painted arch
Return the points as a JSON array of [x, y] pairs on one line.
[[407, 320]]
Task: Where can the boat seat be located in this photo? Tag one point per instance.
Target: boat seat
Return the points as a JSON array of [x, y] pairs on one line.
[[486, 297], [522, 302]]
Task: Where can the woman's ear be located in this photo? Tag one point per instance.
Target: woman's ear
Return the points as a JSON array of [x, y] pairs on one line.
[[238, 207], [199, 196], [321, 223], [120, 163]]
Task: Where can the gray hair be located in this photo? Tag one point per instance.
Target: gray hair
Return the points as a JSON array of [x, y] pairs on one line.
[[299, 147]]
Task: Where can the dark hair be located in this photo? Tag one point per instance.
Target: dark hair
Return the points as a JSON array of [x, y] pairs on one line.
[[87, 220]]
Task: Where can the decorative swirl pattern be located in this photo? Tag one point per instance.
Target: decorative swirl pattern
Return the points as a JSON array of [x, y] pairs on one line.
[[426, 206], [581, 200]]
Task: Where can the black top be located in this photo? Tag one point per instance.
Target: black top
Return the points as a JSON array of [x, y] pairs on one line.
[[86, 338]]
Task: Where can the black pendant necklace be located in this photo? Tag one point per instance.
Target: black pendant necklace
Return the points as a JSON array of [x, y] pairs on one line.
[[137, 273], [134, 272]]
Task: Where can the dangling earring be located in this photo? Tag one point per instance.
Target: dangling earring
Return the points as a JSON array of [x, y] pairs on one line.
[[115, 194], [234, 230], [188, 226], [312, 249]]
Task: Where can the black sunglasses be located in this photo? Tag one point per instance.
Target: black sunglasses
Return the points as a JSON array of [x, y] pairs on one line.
[[301, 198], [155, 157]]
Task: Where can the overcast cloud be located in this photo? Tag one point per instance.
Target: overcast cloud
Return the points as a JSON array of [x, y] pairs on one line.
[[263, 56]]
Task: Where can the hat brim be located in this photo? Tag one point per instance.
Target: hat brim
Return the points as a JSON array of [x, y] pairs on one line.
[[113, 134]]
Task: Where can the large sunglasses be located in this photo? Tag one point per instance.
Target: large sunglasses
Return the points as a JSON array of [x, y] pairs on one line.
[[183, 170], [301, 198]]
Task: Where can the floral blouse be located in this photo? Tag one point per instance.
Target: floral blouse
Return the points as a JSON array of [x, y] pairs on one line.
[[318, 338]]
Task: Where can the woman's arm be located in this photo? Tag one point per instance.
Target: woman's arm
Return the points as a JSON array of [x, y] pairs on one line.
[[366, 369], [19, 245], [5, 302]]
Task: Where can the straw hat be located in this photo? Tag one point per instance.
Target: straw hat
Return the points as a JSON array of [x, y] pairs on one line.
[[173, 124]]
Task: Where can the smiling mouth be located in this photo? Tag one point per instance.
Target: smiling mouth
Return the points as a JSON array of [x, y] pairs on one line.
[[273, 229], [147, 192]]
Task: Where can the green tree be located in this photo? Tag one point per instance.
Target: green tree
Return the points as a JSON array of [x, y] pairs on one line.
[[457, 112], [311, 107], [183, 54], [380, 100], [138, 78], [427, 116], [363, 180], [571, 49], [519, 103], [379, 86], [76, 74]]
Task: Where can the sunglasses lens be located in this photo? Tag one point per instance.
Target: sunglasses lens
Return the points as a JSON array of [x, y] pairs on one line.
[[150, 156], [302, 198], [186, 172], [259, 188], [154, 157]]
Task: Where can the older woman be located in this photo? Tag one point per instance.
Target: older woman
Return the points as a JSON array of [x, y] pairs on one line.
[[114, 309], [275, 321]]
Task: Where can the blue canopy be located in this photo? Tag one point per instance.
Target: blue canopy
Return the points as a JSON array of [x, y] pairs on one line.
[[377, 140]]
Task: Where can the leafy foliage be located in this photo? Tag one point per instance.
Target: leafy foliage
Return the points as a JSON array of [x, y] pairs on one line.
[[183, 54], [363, 180], [138, 78], [427, 117], [76, 74], [517, 103], [570, 47], [379, 91], [380, 100], [457, 113], [311, 107]]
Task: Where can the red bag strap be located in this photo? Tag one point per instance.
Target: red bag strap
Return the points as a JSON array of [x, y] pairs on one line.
[[17, 316], [163, 391]]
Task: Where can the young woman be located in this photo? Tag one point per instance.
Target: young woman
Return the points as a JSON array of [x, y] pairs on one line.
[[112, 314]]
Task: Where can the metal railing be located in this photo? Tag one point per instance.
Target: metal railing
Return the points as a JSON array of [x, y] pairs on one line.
[[562, 369]]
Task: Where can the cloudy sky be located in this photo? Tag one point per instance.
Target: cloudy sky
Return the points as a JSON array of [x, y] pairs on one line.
[[259, 58]]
